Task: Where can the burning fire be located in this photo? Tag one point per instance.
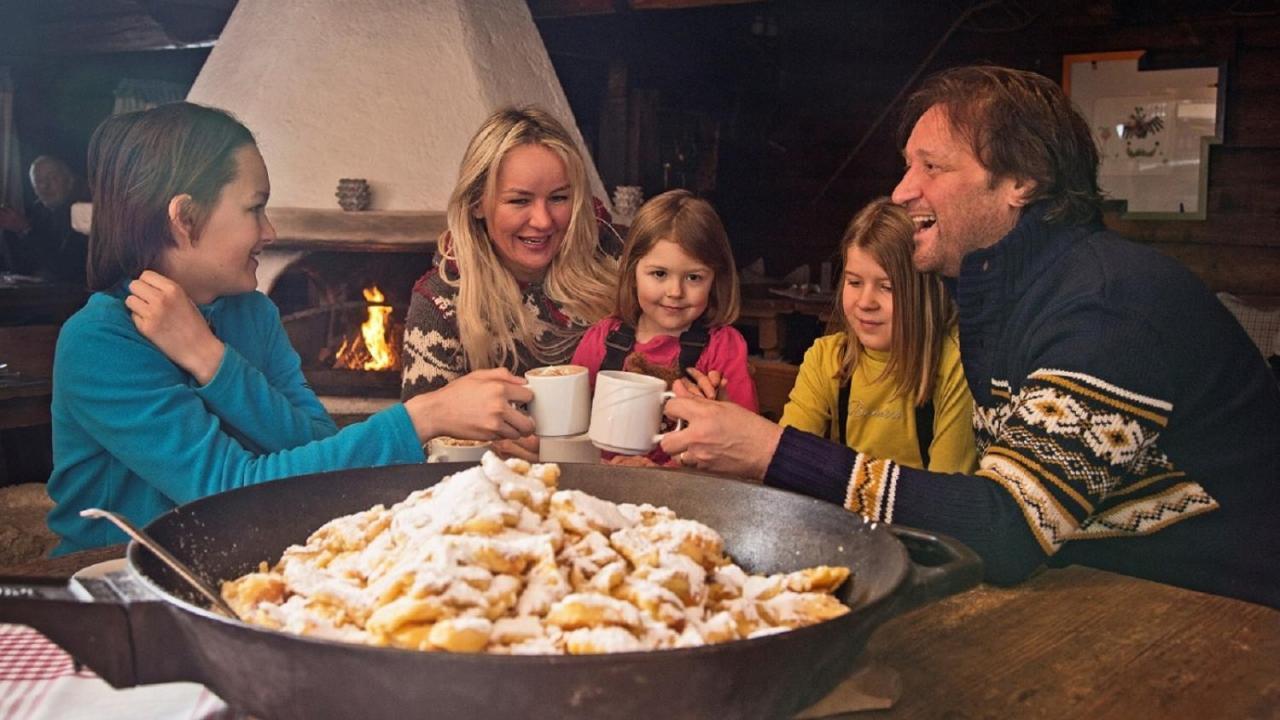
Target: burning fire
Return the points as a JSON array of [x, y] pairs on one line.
[[370, 350]]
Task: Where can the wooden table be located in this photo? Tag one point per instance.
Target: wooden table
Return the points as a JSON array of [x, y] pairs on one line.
[[1068, 643], [25, 302], [25, 384]]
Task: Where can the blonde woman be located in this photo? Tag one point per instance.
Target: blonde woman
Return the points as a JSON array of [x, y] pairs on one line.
[[521, 273]]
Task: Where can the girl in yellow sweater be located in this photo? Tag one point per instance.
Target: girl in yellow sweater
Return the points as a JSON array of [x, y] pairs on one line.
[[888, 381]]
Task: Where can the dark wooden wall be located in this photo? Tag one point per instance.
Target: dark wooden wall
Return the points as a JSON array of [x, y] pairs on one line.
[[1237, 248], [760, 105], [791, 106], [60, 99]]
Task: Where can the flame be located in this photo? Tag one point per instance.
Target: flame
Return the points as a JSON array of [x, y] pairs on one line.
[[370, 350]]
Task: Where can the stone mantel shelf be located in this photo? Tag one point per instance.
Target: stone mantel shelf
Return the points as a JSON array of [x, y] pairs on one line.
[[370, 230], [407, 231]]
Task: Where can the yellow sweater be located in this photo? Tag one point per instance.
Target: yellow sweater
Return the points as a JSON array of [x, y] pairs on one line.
[[882, 423]]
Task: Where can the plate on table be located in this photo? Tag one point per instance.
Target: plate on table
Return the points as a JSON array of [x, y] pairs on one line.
[[101, 569]]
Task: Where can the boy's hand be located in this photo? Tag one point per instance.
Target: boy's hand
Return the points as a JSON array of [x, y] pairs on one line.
[[166, 316], [480, 405]]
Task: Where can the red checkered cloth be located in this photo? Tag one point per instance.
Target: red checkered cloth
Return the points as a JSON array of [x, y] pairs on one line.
[[27, 655], [39, 680]]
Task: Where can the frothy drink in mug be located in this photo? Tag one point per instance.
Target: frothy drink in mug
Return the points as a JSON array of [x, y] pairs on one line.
[[449, 449], [456, 442], [561, 402], [556, 371]]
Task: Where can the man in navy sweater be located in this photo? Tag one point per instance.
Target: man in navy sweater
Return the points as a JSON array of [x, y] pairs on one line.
[[1123, 418]]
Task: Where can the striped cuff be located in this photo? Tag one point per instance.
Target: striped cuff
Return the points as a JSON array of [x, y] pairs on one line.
[[809, 465], [872, 488]]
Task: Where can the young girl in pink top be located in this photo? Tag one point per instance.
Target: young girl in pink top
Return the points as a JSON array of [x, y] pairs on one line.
[[677, 298]]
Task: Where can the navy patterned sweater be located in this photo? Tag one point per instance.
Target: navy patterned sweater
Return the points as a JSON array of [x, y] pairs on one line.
[[1123, 418]]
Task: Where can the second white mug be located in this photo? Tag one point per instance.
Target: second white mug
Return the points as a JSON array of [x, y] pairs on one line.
[[561, 402], [626, 412]]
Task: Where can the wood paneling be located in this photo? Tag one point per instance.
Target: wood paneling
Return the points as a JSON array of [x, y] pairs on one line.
[[1240, 269]]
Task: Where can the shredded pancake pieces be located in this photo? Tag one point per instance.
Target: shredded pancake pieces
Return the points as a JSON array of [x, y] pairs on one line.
[[496, 559]]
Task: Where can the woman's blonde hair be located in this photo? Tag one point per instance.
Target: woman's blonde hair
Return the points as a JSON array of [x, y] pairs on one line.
[[691, 223], [922, 313], [492, 319]]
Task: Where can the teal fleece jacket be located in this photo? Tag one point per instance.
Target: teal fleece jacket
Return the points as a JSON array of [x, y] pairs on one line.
[[135, 434]]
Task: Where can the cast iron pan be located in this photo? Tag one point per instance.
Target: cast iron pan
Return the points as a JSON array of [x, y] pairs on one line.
[[144, 626]]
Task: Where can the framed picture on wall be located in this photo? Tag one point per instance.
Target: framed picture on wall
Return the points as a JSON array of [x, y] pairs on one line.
[[1153, 129]]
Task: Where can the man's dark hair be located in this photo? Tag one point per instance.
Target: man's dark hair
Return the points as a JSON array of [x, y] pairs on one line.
[[1020, 125], [138, 162]]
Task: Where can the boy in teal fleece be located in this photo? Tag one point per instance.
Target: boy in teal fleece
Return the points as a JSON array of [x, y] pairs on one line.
[[177, 380]]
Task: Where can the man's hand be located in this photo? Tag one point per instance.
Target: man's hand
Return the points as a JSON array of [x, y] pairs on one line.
[[168, 318], [476, 406], [721, 437], [525, 448]]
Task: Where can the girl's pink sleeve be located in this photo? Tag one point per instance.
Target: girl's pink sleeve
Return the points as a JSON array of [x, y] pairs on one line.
[[727, 352], [590, 352]]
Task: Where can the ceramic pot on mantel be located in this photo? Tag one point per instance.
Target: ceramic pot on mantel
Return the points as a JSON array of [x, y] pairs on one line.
[[353, 193], [626, 201]]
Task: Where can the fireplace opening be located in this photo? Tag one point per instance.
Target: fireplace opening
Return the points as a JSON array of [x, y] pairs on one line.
[[344, 312]]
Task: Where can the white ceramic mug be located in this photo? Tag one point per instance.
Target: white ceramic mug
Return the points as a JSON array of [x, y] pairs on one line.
[[571, 448], [561, 402], [626, 412], [447, 449]]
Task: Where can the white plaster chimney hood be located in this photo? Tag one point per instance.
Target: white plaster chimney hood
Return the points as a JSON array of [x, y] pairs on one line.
[[386, 90]]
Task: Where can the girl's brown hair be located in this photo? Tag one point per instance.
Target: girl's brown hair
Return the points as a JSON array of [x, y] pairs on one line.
[[138, 162], [691, 223], [923, 315]]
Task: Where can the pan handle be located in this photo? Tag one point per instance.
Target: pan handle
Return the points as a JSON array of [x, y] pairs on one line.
[[940, 566], [91, 618]]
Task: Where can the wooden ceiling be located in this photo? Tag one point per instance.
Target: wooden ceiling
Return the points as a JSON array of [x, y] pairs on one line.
[[73, 27], [70, 27]]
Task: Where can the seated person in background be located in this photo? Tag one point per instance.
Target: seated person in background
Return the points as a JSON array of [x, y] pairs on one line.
[[1124, 419], [677, 300], [522, 274], [889, 382], [45, 244], [177, 380]]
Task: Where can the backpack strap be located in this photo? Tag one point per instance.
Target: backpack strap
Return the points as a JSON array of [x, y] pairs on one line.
[[924, 429], [692, 342], [842, 411], [924, 422], [617, 345]]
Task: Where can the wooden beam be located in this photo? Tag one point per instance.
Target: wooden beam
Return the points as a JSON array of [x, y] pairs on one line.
[[547, 9], [683, 4], [73, 27]]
